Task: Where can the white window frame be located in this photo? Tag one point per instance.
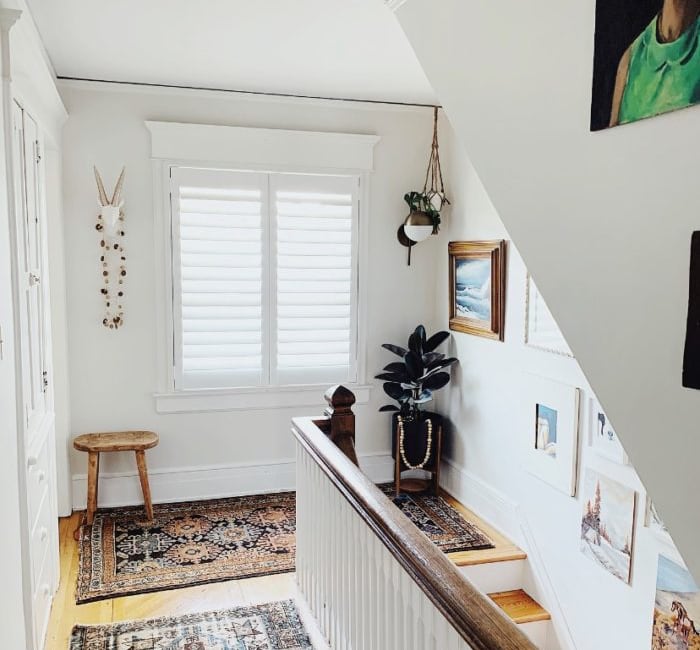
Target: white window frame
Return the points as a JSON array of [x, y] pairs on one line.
[[252, 150]]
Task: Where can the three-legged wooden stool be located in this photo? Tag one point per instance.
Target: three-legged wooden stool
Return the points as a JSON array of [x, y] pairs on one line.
[[96, 443]]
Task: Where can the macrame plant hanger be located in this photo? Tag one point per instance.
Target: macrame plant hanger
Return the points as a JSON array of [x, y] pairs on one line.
[[434, 186]]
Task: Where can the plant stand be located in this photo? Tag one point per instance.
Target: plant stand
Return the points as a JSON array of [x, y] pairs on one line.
[[415, 445]]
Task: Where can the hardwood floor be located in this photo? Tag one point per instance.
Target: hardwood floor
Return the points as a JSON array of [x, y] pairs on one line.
[[222, 595]]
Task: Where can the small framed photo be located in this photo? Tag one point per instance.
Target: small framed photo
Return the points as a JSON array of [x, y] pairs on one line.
[[603, 438], [551, 429], [541, 330], [477, 287]]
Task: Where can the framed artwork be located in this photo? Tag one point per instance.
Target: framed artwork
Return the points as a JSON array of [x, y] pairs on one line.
[[676, 608], [602, 436], [655, 524], [477, 287], [551, 430], [646, 61], [541, 330], [607, 523]]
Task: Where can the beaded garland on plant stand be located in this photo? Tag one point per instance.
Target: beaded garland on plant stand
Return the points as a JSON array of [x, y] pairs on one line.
[[112, 247], [428, 447]]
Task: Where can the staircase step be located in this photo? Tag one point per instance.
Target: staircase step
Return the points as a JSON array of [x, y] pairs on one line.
[[504, 550], [520, 606]]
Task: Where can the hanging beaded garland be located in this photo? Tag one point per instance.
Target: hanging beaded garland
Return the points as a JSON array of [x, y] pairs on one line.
[[112, 257], [110, 225], [428, 448]]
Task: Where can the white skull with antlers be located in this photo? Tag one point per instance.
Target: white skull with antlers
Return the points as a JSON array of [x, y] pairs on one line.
[[110, 209]]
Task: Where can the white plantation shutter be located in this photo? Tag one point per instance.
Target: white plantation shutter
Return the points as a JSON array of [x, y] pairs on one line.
[[219, 250], [315, 222], [264, 270]]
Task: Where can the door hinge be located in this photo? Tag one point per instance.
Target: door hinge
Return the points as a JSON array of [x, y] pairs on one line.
[[45, 378], [37, 151], [2, 349]]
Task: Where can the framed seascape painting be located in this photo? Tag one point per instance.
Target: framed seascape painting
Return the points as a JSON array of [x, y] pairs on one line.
[[676, 608], [477, 287], [541, 330], [603, 438], [646, 59], [551, 430], [607, 523]]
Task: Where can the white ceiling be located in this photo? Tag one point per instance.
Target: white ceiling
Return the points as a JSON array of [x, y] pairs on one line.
[[330, 48]]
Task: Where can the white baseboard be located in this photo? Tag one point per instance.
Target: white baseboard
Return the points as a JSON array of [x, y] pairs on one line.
[[211, 482], [488, 503]]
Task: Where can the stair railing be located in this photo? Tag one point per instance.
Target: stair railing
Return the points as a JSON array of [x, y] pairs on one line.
[[372, 580]]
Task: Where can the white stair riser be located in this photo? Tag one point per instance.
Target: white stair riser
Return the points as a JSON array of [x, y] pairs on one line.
[[492, 577], [536, 632]]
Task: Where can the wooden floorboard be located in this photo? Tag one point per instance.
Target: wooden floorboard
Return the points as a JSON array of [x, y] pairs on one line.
[[504, 550], [221, 595]]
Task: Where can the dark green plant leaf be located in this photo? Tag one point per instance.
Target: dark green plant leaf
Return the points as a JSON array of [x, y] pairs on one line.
[[388, 407], [397, 366], [395, 349], [441, 363], [435, 340], [430, 357], [415, 344], [394, 377], [420, 330], [436, 381], [393, 390], [414, 365]]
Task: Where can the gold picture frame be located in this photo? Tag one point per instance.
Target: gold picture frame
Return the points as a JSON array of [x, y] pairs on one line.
[[477, 306]]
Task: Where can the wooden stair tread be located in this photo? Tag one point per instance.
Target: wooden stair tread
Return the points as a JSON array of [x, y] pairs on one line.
[[504, 550], [520, 606]]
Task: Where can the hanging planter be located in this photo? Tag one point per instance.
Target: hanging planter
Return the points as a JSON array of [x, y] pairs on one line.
[[425, 206]]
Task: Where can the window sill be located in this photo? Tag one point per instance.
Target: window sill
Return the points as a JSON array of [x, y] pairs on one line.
[[251, 399]]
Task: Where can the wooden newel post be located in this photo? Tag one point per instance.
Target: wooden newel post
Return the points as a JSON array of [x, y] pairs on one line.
[[342, 419]]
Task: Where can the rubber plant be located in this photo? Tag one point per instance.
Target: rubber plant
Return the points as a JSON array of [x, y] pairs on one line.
[[421, 371]]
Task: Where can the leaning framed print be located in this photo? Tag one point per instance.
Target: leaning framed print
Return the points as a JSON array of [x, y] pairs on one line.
[[477, 287], [541, 330], [550, 429]]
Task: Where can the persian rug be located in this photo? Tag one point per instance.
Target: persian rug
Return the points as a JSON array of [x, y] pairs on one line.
[[198, 542], [440, 521], [273, 626], [186, 544]]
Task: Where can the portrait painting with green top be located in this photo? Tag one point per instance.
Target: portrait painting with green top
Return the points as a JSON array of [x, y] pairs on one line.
[[647, 59]]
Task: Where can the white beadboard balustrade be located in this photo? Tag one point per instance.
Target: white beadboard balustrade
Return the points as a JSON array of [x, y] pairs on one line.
[[372, 580]]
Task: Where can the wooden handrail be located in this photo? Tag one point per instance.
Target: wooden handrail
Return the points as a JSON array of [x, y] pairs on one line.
[[472, 614]]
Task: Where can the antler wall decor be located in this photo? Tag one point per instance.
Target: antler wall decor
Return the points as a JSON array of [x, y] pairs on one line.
[[110, 224]]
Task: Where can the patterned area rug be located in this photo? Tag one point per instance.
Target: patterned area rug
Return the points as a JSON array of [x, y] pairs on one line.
[[445, 527], [186, 544], [274, 626], [193, 543]]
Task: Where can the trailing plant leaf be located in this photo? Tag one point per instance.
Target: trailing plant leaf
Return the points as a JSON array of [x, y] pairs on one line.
[[435, 340], [399, 351]]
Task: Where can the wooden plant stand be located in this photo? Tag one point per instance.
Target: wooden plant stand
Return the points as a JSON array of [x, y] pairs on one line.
[[418, 485], [95, 444]]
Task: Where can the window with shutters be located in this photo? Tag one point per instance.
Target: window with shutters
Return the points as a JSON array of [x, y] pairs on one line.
[[264, 278]]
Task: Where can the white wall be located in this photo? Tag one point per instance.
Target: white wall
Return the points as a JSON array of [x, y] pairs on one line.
[[602, 219], [491, 419], [113, 373]]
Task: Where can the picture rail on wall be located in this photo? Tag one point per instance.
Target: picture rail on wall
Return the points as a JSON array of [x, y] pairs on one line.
[[477, 287]]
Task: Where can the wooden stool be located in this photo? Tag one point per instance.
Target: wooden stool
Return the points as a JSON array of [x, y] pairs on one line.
[[96, 443]]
